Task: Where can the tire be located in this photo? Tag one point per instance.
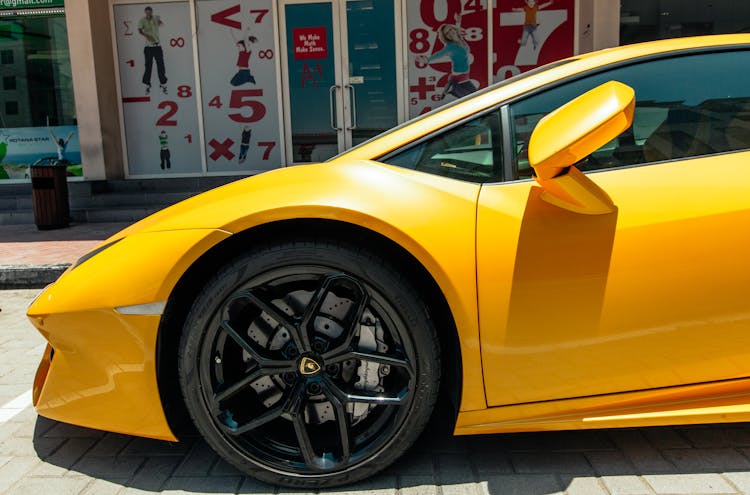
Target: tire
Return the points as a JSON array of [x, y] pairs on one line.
[[309, 364]]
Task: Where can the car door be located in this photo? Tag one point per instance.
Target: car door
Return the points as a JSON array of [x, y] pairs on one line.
[[653, 295]]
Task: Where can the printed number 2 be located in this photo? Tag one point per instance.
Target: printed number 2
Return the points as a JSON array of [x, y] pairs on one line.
[[244, 98], [166, 119]]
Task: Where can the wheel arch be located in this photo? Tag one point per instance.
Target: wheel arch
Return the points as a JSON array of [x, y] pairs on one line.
[[191, 282]]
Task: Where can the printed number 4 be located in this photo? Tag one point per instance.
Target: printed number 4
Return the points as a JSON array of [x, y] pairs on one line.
[[549, 20]]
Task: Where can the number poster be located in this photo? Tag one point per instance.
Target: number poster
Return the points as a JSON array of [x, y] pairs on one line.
[[447, 45], [530, 33], [160, 110], [237, 55]]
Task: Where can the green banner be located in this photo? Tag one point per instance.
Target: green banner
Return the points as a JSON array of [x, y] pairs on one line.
[[29, 4]]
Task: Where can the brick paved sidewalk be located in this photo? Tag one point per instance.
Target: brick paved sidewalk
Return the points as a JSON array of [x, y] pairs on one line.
[[30, 258], [40, 456], [26, 245]]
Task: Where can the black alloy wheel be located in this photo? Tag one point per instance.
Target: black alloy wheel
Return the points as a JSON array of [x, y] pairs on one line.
[[309, 364]]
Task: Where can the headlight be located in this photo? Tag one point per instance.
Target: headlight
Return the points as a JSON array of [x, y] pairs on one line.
[[93, 253]]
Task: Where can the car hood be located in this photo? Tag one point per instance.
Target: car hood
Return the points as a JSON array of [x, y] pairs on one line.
[[335, 190]]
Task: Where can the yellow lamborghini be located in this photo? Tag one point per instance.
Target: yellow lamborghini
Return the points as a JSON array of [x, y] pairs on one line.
[[566, 249]]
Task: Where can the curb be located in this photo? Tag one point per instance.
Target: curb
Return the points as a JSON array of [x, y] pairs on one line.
[[29, 276]]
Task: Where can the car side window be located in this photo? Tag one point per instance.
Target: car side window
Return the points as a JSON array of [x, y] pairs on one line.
[[470, 151], [686, 106]]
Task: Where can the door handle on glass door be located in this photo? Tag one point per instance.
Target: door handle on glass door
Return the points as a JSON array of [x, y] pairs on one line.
[[331, 92], [353, 90]]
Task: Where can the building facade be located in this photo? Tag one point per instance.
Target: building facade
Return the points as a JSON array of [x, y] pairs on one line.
[[127, 89]]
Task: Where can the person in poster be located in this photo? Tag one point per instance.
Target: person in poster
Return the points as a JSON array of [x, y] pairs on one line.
[[244, 143], [164, 153], [61, 145], [148, 27], [243, 75], [456, 49], [530, 24]]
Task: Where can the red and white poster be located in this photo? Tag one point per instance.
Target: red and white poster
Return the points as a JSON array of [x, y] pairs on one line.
[[530, 33], [448, 52], [237, 54], [310, 43], [157, 82]]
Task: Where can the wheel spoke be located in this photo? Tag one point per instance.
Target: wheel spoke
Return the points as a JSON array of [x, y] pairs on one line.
[[353, 324], [226, 325], [382, 400], [299, 337], [375, 358], [295, 410], [282, 407], [245, 381], [342, 420]]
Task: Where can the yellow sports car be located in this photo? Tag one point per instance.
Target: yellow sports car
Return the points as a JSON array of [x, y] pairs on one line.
[[566, 249]]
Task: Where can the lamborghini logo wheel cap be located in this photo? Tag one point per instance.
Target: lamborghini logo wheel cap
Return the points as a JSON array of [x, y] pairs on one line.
[[308, 366]]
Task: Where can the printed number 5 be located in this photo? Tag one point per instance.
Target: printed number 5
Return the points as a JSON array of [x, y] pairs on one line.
[[244, 98]]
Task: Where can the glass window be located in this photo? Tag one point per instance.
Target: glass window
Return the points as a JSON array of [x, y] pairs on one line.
[[36, 67], [11, 107], [646, 20], [471, 152], [6, 57], [9, 83], [683, 109]]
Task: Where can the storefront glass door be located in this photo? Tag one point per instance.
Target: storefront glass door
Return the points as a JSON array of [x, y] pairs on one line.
[[341, 78]]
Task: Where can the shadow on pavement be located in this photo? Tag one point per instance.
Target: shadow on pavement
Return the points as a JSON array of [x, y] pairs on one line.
[[622, 461]]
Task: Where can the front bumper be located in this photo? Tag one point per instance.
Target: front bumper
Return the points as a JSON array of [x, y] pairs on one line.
[[99, 369]]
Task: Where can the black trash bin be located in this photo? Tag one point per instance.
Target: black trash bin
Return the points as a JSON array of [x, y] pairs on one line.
[[49, 193]]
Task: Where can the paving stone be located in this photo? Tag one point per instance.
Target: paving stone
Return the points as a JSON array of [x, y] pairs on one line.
[[491, 463], [42, 425], [154, 473], [740, 480], [665, 438], [253, 486], [688, 484], [640, 452], [455, 467], [380, 484], [516, 484], [22, 446], [461, 489], [112, 486], [110, 444], [702, 436], [563, 441], [441, 444], [609, 463], [702, 460], [223, 468], [550, 462], [60, 485], [108, 467], [65, 430], [414, 463], [417, 485], [64, 458], [626, 485], [215, 485], [197, 462], [15, 470], [148, 447], [585, 486]]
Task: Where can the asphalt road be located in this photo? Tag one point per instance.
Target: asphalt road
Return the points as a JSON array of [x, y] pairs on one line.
[[40, 456]]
